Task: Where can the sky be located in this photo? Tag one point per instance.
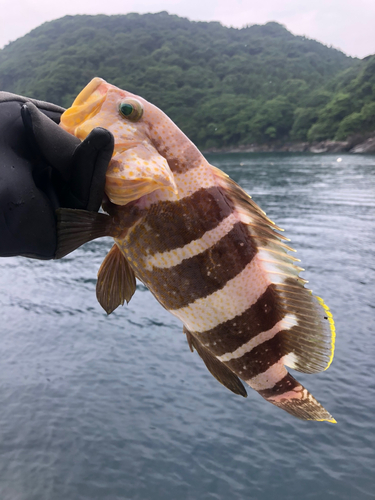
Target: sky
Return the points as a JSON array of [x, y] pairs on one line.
[[348, 25]]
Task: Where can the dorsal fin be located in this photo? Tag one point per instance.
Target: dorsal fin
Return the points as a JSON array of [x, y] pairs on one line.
[[218, 369], [309, 344], [116, 281]]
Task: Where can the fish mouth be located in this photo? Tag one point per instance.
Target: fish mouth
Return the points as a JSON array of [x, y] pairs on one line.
[[85, 106]]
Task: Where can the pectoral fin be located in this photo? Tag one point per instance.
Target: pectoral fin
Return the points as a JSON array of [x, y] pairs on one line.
[[218, 369], [116, 281], [76, 227]]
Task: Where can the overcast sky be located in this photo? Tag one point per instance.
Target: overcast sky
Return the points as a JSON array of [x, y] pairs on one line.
[[348, 25]]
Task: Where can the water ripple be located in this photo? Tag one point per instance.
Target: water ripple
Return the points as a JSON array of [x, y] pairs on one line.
[[117, 407]]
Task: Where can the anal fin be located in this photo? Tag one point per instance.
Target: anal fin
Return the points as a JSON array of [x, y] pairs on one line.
[[116, 281], [218, 369]]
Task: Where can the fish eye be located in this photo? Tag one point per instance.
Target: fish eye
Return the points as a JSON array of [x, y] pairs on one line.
[[131, 109]]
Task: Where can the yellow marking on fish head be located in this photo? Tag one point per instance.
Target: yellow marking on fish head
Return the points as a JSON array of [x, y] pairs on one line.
[[84, 108], [137, 167]]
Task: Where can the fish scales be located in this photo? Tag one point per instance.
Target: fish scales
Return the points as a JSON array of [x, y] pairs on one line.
[[207, 252], [185, 220], [233, 333]]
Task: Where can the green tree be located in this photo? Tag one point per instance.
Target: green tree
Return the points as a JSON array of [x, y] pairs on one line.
[[304, 119], [274, 119], [222, 86], [330, 117]]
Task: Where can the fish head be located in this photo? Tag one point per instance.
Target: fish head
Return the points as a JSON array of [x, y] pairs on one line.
[[137, 167]]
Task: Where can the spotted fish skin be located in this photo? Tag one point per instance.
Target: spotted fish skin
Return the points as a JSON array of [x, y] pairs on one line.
[[209, 255]]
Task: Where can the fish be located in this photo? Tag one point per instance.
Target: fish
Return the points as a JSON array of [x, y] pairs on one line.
[[206, 251]]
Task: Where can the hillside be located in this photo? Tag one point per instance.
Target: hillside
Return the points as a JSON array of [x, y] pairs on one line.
[[222, 86]]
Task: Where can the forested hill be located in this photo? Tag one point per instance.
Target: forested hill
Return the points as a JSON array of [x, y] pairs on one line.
[[222, 86]]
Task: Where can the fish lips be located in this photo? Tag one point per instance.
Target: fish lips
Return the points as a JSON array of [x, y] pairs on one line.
[[86, 105]]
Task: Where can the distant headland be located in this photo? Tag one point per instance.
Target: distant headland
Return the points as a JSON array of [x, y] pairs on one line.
[[259, 88]]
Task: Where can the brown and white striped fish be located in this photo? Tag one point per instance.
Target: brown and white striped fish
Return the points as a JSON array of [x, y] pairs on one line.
[[204, 249]]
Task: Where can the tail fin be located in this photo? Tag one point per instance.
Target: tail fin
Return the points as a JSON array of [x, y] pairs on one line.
[[291, 396]]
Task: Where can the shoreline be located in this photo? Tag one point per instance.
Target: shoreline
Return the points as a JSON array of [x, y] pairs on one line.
[[354, 145]]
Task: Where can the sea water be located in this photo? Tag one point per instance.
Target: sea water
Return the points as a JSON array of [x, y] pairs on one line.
[[98, 407]]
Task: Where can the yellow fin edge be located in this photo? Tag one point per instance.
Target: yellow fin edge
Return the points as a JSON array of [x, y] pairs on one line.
[[333, 331], [331, 420]]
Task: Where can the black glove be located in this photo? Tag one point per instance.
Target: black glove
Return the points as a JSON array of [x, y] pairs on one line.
[[42, 167]]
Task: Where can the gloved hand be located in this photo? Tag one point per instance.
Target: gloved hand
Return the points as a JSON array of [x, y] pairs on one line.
[[42, 167]]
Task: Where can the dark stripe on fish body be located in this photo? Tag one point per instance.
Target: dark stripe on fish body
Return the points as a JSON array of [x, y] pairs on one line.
[[190, 159], [286, 384], [186, 161], [261, 358], [168, 225], [232, 334], [203, 274]]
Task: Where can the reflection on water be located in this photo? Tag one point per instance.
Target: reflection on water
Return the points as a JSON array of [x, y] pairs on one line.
[[116, 407]]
